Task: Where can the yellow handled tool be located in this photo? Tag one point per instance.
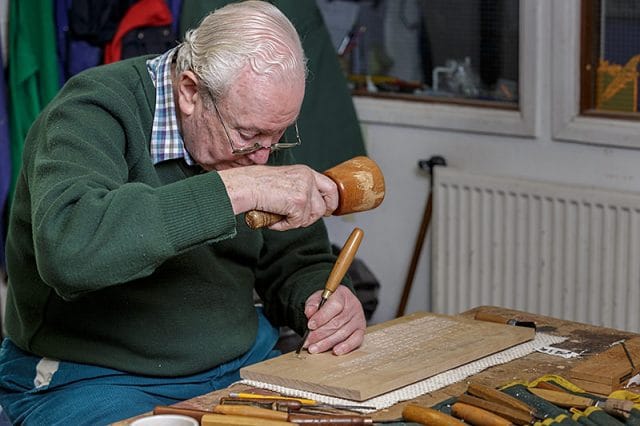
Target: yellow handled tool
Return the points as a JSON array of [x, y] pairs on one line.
[[340, 268], [428, 416]]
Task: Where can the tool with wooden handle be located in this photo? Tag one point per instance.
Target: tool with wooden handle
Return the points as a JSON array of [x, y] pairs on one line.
[[428, 416], [344, 260], [477, 416], [360, 188], [234, 420], [517, 417], [291, 402], [485, 316], [494, 395], [266, 414], [615, 407], [249, 411]]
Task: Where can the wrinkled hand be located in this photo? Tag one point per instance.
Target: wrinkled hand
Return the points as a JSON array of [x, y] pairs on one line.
[[339, 325], [297, 192]]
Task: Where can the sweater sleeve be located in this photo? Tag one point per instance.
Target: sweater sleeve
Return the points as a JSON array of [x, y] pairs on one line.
[[100, 215]]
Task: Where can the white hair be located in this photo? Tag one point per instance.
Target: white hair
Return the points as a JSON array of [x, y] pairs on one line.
[[251, 32]]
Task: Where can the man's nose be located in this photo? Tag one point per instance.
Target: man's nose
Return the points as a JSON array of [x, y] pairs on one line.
[[261, 156]]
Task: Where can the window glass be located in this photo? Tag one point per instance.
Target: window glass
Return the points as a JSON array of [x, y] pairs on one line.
[[429, 50], [611, 53]]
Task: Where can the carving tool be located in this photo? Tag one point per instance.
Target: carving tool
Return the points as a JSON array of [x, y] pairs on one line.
[[494, 395], [230, 420], [615, 407], [303, 401], [517, 417], [485, 316], [274, 404], [262, 413], [246, 395], [343, 262], [428, 416], [360, 188], [477, 416]]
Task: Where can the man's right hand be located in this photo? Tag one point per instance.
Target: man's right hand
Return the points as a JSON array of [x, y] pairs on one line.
[[296, 192]]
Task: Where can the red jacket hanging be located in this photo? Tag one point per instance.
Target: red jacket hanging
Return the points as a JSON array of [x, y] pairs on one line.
[[144, 13]]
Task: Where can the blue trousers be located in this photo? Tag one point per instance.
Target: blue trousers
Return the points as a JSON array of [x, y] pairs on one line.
[[81, 394]]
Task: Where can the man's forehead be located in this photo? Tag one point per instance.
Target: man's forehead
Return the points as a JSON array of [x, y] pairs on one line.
[[259, 95]]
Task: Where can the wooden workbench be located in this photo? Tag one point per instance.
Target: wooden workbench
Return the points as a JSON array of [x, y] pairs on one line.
[[581, 338]]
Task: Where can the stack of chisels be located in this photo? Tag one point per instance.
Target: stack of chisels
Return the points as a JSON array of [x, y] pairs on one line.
[[485, 406], [480, 405]]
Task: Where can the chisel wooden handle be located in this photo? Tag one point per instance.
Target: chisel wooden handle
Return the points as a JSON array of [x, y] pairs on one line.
[[563, 399], [263, 414], [517, 417], [477, 416], [428, 416], [233, 420], [338, 271], [247, 410], [344, 260], [494, 395], [486, 316], [258, 219], [615, 407]]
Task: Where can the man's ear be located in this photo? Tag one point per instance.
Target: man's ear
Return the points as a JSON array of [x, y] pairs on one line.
[[187, 92]]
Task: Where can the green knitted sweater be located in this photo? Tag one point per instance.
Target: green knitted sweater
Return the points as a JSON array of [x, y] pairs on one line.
[[116, 262]]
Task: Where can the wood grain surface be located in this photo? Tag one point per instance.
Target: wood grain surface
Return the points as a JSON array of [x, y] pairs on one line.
[[609, 370], [581, 338], [395, 354]]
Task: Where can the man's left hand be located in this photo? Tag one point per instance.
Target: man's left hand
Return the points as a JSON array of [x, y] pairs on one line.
[[339, 325]]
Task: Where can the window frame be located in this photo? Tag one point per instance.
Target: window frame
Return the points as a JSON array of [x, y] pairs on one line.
[[568, 124], [468, 118]]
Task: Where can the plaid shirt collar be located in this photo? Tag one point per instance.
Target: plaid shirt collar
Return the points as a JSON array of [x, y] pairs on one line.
[[166, 142]]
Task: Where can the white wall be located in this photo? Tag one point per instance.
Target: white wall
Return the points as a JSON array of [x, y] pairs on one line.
[[390, 230]]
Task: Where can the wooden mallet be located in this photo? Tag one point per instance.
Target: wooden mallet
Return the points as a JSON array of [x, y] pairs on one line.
[[360, 187]]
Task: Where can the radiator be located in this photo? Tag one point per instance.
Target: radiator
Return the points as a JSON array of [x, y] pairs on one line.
[[565, 251]]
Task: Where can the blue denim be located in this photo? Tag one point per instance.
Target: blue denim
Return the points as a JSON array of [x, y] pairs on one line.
[[81, 394]]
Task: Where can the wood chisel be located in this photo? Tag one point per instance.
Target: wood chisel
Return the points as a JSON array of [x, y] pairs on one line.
[[302, 401], [615, 407], [494, 395], [428, 416], [517, 417], [340, 268], [262, 413], [477, 416], [233, 420], [485, 316]]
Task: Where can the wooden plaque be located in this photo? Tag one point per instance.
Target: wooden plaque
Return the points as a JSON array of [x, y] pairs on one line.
[[394, 354]]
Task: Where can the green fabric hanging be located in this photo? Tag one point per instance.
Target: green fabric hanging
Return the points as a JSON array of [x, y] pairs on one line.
[[329, 127], [32, 70]]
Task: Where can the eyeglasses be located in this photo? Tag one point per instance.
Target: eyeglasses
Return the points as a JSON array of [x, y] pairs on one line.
[[256, 146]]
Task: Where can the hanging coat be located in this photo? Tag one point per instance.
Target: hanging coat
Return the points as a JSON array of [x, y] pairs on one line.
[[32, 68], [145, 13]]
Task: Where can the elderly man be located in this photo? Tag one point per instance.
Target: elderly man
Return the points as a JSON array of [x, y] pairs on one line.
[[131, 275]]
